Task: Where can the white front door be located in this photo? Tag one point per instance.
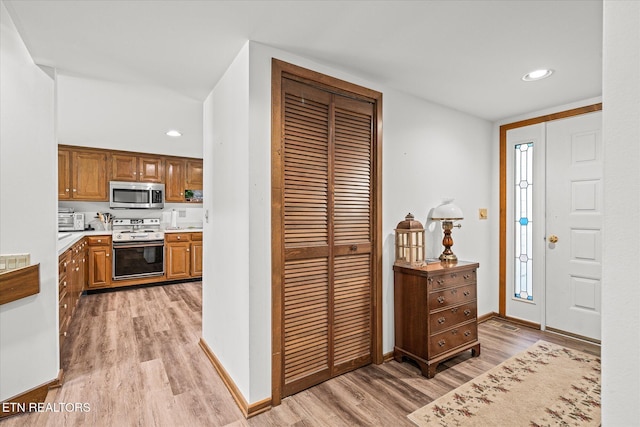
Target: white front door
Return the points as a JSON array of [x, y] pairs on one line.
[[573, 245]]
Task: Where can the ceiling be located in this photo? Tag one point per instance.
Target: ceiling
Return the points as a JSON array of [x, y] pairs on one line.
[[466, 55]]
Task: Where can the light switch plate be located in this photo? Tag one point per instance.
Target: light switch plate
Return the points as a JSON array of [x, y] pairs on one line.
[[14, 261], [482, 213]]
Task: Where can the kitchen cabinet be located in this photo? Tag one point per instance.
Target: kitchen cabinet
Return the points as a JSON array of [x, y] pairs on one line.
[[125, 167], [82, 175], [183, 255], [193, 174], [71, 284], [435, 310], [174, 180], [64, 174], [100, 265], [182, 174]]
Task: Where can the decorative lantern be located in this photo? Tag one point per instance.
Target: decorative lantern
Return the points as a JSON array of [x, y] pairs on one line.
[[410, 242]]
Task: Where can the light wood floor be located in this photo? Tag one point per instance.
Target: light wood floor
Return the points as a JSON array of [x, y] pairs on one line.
[[133, 356]]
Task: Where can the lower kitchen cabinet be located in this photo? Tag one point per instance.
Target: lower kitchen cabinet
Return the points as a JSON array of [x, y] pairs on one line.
[[71, 283], [99, 261], [183, 255]]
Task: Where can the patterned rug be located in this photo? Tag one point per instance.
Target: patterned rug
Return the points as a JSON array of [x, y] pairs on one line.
[[545, 385]]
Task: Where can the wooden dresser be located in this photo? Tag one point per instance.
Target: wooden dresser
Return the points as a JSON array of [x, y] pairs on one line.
[[435, 313]]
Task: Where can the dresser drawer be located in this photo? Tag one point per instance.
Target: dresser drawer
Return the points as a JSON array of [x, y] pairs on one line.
[[452, 338], [451, 279], [452, 296], [451, 316]]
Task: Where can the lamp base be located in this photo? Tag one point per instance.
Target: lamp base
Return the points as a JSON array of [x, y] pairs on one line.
[[448, 257]]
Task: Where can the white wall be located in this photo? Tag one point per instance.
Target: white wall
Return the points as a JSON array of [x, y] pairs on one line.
[[621, 260], [96, 113], [28, 176], [225, 291], [426, 149]]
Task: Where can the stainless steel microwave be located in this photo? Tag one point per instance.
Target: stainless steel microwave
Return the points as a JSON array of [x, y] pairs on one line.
[[136, 195]]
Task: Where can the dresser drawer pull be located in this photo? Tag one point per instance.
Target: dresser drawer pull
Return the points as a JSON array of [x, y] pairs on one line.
[[467, 333], [466, 276], [467, 312], [441, 320], [454, 275], [454, 309], [440, 299], [454, 332], [440, 281], [430, 280], [454, 291], [466, 293], [441, 343]]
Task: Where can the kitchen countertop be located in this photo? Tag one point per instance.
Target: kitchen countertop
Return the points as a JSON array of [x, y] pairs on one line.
[[66, 239]]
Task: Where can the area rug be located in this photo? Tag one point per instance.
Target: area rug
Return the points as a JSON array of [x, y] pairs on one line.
[[545, 385]]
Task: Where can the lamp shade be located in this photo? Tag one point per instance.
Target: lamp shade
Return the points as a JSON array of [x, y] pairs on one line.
[[447, 211]]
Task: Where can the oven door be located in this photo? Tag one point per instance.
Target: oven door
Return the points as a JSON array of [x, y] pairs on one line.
[[138, 259]]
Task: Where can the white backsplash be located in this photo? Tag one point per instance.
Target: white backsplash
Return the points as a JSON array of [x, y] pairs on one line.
[[188, 215]]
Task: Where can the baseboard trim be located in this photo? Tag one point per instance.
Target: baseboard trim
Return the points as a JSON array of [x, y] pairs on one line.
[[522, 322], [247, 410], [20, 404], [387, 357], [58, 382], [487, 316]]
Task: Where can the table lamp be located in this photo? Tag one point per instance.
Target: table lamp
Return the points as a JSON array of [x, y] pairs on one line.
[[447, 212]]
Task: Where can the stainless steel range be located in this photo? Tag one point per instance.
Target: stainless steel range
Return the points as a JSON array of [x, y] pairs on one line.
[[138, 248]]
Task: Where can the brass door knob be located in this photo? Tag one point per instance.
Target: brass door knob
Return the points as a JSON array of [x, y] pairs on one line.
[[553, 238]]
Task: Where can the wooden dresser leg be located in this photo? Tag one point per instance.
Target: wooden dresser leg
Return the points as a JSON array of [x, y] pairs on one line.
[[475, 350]]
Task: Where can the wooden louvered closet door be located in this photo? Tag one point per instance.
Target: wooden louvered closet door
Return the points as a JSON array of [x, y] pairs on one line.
[[327, 307]]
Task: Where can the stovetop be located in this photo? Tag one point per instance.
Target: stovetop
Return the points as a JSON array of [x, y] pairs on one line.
[[138, 229]]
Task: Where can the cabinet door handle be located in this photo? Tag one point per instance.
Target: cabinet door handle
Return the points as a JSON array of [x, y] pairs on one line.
[[467, 312], [65, 333], [440, 299], [353, 247], [74, 190], [65, 306], [188, 250], [64, 283], [441, 343], [178, 237], [441, 320], [66, 190], [108, 254]]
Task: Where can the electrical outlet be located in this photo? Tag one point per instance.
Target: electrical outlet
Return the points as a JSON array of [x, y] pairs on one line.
[[482, 213]]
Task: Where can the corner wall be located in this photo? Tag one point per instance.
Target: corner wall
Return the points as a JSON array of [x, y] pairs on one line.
[[621, 239], [28, 176], [226, 286]]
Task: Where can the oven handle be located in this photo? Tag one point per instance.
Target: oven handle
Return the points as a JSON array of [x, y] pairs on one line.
[[138, 244]]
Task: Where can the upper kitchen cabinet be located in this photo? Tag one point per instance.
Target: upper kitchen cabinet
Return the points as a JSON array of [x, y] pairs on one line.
[[82, 174], [126, 167], [194, 178], [182, 174], [174, 182], [89, 176], [64, 174]]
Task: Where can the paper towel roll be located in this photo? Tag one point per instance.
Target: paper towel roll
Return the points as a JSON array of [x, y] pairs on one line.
[[174, 218]]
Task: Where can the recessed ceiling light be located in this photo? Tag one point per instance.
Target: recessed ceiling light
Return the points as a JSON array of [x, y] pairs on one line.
[[537, 75], [174, 133]]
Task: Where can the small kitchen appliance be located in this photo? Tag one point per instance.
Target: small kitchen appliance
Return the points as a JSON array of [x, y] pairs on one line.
[[68, 220]]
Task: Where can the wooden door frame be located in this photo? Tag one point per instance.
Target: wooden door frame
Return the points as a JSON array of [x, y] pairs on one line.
[[502, 275], [280, 70]]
